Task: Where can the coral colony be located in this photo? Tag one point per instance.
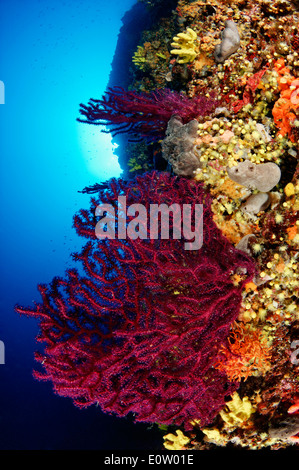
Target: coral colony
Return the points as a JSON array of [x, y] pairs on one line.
[[141, 332], [189, 319], [144, 114], [144, 224]]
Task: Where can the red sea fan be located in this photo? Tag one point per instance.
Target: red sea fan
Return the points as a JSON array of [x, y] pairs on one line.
[[143, 114], [140, 332]]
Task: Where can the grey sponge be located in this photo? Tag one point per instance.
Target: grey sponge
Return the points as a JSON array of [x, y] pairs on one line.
[[262, 177], [230, 42]]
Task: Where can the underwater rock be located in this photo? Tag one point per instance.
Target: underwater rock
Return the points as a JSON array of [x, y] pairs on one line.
[[230, 42], [285, 429], [259, 281], [243, 244], [263, 132], [222, 111], [294, 357], [262, 177], [177, 147], [256, 203]]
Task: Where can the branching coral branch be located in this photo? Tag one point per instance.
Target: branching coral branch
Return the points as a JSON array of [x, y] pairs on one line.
[[140, 332], [143, 114]]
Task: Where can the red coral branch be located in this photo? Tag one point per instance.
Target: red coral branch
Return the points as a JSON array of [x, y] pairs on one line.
[[142, 330], [143, 114]]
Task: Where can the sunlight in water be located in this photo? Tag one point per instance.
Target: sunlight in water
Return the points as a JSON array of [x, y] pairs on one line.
[[98, 151]]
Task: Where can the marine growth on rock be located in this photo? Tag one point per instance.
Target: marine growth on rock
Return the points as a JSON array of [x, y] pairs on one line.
[[203, 342]]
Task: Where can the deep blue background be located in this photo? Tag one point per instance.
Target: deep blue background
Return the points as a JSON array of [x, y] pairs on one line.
[[54, 54]]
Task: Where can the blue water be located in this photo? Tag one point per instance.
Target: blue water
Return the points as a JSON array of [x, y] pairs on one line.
[[54, 54]]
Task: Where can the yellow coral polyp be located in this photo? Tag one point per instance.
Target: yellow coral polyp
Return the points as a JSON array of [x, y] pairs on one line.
[[184, 46]]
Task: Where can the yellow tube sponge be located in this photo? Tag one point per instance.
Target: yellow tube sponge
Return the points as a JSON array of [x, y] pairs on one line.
[[176, 441], [239, 411], [214, 435], [139, 58], [184, 46]]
